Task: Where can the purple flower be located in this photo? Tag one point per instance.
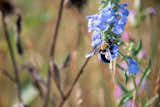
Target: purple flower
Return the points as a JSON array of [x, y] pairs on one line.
[[117, 92], [128, 103], [151, 11], [124, 65], [132, 18], [133, 67], [142, 54], [125, 36]]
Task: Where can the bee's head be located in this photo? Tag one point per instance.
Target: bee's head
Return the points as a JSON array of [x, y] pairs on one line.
[[104, 46]]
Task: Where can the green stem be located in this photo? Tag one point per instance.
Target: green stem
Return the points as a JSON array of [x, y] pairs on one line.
[[134, 83], [136, 90]]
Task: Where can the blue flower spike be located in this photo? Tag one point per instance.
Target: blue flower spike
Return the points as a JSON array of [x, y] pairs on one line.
[[109, 17], [105, 26], [133, 67]]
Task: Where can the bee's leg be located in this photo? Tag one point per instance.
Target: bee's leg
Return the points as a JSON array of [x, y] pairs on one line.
[[111, 66], [111, 62]]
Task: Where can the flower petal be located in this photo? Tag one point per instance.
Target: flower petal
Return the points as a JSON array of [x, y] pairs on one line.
[[133, 67]]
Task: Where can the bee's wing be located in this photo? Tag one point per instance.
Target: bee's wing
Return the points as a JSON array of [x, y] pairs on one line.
[[108, 54], [92, 52]]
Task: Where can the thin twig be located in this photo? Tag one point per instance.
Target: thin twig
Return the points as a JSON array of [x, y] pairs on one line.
[[7, 75], [61, 92], [47, 96], [55, 72], [58, 20], [74, 82], [52, 52], [13, 59], [38, 82]]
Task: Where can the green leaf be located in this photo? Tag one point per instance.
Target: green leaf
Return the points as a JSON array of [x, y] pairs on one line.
[[116, 1], [123, 57], [146, 72], [125, 97], [123, 88], [126, 77], [12, 38], [139, 47], [104, 37], [121, 68], [131, 47]]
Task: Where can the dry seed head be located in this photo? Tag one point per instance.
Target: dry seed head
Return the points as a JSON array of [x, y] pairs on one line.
[[7, 7], [79, 4]]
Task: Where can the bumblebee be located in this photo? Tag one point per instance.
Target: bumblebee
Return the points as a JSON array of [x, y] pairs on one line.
[[103, 52]]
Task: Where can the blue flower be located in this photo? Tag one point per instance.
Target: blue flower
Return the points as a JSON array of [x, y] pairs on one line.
[[133, 67], [122, 11], [113, 50], [99, 25], [108, 20], [96, 38], [123, 5], [107, 15], [96, 43], [91, 22], [122, 21], [117, 28], [96, 35]]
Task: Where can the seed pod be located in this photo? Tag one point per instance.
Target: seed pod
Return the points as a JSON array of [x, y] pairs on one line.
[[17, 35], [66, 61], [54, 70], [6, 7], [79, 4]]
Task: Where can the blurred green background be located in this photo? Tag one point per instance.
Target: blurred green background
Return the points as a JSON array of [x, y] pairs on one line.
[[95, 88]]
